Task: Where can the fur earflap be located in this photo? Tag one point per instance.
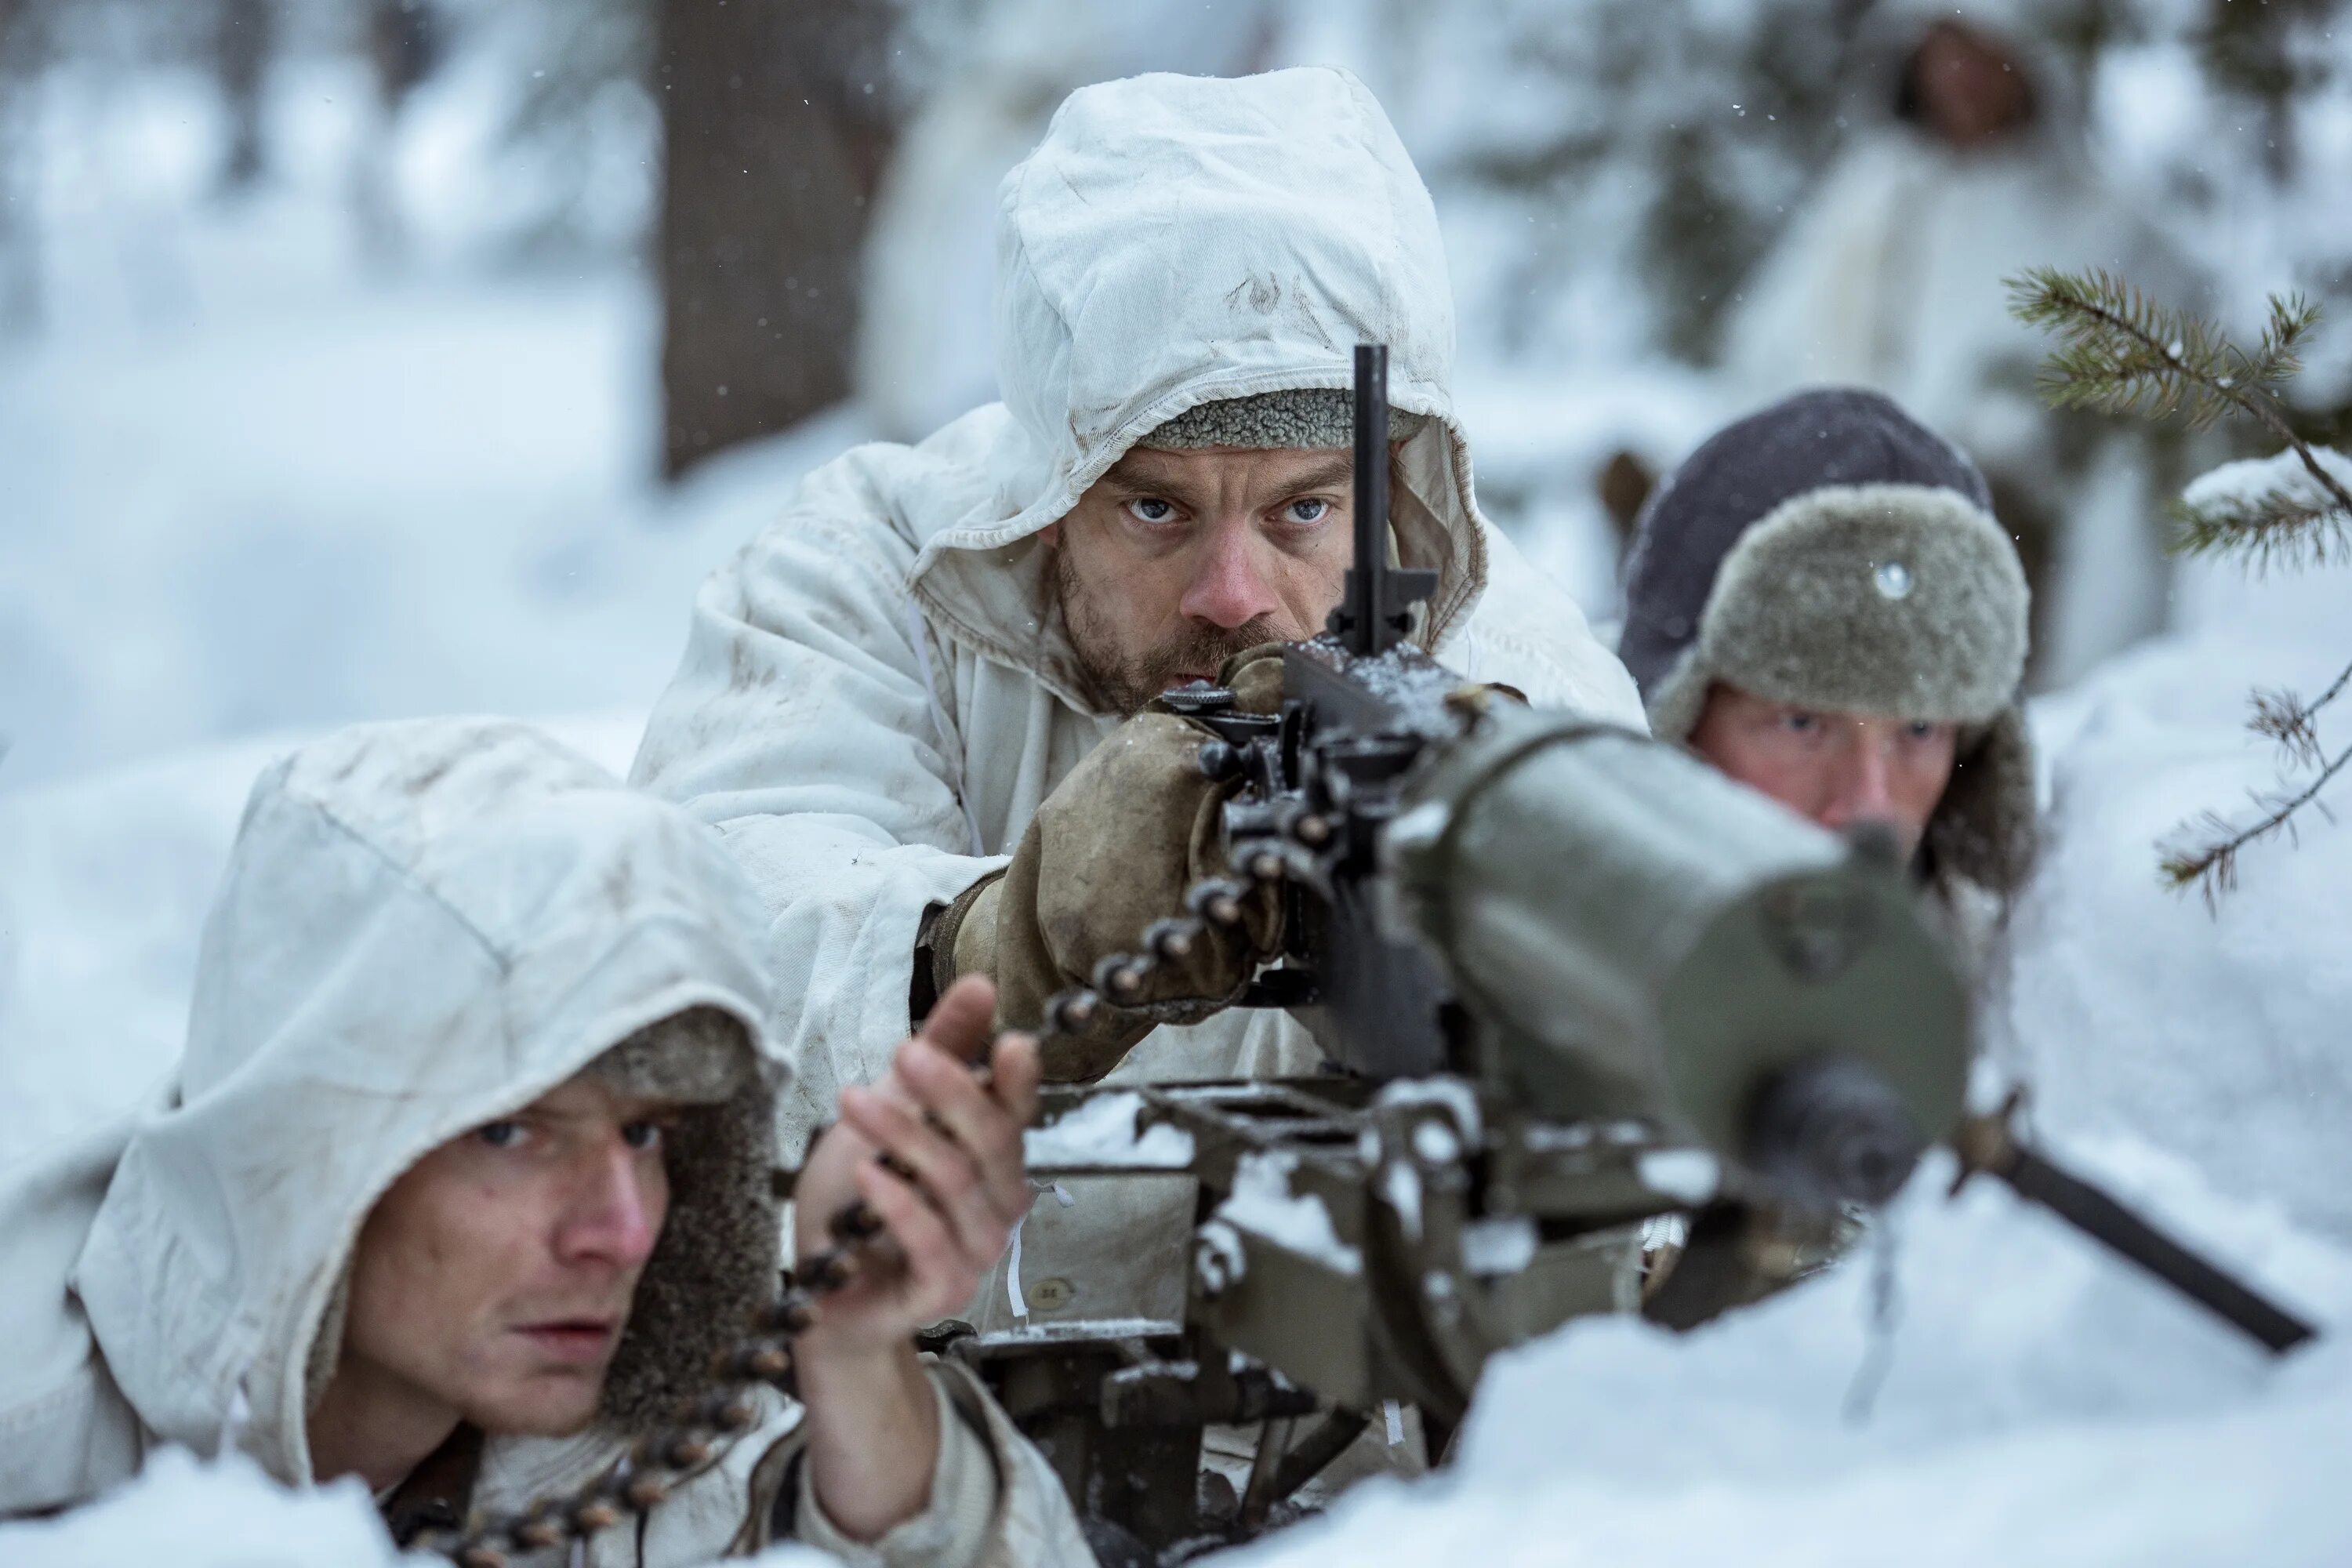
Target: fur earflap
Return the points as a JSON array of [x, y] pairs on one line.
[[695, 1058], [719, 1257], [1984, 830]]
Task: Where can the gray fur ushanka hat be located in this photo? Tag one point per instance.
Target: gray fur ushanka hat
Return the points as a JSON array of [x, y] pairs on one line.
[[1832, 551]]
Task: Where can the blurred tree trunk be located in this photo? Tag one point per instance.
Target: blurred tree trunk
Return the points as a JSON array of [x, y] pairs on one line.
[[776, 127], [245, 36], [21, 52]]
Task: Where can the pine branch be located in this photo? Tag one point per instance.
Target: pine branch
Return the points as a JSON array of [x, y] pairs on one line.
[[2211, 866], [2265, 530], [2121, 352], [2284, 717], [2277, 361]]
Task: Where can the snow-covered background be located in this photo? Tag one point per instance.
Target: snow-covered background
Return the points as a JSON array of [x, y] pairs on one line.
[[256, 480]]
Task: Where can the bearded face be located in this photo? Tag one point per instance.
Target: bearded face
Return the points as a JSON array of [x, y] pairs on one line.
[[1174, 560]]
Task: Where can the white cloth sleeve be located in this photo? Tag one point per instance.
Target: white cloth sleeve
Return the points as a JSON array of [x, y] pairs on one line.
[[800, 725], [951, 1531]]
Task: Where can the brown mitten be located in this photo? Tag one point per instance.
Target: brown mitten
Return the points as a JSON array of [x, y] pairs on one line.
[[1114, 850]]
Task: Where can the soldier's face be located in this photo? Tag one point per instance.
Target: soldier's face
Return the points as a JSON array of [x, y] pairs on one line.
[[1970, 93], [1838, 769], [492, 1280], [1173, 560]]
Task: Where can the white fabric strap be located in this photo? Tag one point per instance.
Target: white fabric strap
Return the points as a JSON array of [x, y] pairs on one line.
[[950, 750], [1019, 1302]]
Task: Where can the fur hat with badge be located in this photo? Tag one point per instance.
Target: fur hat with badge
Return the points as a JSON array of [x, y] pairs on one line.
[[1832, 553]]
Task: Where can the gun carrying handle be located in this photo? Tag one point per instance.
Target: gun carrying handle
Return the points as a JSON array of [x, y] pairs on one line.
[[1986, 1143]]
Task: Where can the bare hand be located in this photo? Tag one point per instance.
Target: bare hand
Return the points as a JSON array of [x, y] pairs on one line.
[[959, 1138]]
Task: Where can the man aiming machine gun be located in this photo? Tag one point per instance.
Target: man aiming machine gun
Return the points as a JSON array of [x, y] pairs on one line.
[[1570, 978]]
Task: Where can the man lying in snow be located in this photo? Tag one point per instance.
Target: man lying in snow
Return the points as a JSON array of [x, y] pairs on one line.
[[465, 1173], [1819, 603], [886, 689]]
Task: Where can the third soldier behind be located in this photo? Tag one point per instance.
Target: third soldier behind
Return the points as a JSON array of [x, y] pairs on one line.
[[1820, 603]]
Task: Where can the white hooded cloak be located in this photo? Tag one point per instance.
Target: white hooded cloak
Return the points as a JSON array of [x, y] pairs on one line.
[[878, 691]]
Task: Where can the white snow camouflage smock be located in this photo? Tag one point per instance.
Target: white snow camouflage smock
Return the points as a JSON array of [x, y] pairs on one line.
[[878, 691], [424, 926]]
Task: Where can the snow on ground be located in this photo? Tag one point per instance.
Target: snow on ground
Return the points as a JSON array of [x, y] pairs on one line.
[[2042, 1406], [2217, 1033], [250, 484], [224, 1515], [271, 496], [183, 1512]]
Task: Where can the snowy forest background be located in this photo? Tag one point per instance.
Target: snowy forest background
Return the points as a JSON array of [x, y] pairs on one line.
[[363, 358]]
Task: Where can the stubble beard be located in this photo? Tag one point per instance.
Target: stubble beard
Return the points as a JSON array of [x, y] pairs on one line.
[[1123, 682]]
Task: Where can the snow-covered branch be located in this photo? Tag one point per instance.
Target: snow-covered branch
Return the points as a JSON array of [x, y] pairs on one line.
[[2121, 352]]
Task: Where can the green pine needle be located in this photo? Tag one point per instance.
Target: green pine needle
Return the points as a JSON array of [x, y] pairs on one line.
[[2278, 360], [2273, 529], [2121, 352]]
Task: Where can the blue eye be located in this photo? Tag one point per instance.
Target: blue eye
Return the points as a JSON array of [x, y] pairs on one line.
[[643, 1135], [1920, 730], [499, 1134], [1309, 509], [1802, 723], [1150, 509]]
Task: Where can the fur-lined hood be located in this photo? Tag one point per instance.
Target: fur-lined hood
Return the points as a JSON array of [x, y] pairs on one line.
[[1180, 241], [424, 926], [1832, 553]]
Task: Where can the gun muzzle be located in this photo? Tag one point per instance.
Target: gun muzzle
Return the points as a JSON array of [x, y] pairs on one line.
[[1831, 1132]]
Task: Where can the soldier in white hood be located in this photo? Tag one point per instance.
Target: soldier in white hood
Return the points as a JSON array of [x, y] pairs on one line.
[[466, 1175], [1971, 162], [889, 691]]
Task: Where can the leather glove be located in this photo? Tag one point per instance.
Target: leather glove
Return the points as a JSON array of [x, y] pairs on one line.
[[1115, 848]]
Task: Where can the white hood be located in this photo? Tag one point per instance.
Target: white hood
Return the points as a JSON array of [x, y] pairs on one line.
[[423, 927], [1177, 240]]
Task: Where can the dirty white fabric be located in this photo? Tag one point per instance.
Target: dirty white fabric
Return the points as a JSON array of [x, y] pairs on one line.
[[1893, 276], [1174, 240], [424, 926]]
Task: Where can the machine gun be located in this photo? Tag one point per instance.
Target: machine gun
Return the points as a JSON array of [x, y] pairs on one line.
[[1569, 980]]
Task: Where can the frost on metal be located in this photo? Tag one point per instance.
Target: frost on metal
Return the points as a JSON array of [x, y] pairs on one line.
[[1686, 1175], [1263, 1204], [1102, 1134]]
